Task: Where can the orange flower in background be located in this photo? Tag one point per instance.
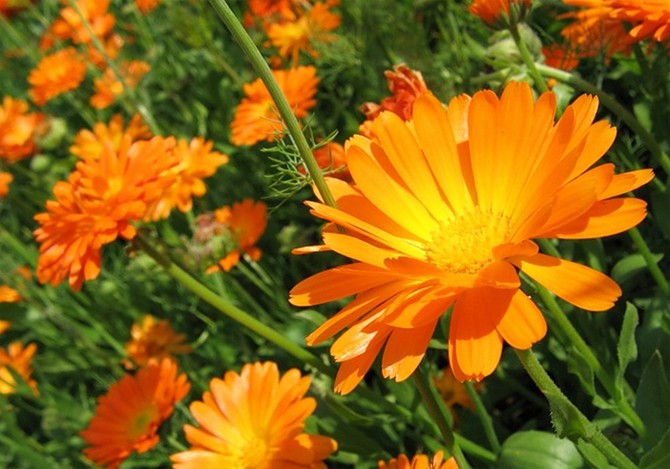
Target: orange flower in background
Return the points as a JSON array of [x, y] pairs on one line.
[[19, 359], [196, 161], [420, 461], [650, 19], [146, 6], [290, 37], [405, 85], [492, 11], [91, 144], [153, 340], [4, 325], [97, 205], [453, 392], [268, 10], [18, 130], [254, 420], [55, 74], [559, 56], [10, 7], [108, 87], [128, 416], [442, 215], [595, 30], [5, 180], [330, 158], [257, 118], [9, 295], [111, 46], [69, 24]]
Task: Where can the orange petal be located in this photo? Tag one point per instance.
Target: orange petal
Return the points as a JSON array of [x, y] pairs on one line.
[[626, 182], [404, 351], [523, 323], [352, 371]]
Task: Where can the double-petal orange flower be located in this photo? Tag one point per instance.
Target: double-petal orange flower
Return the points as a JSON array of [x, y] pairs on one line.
[[442, 215]]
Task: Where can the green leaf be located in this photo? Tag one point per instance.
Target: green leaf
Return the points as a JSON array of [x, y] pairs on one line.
[[538, 450], [659, 456], [653, 401], [592, 456], [626, 348], [630, 266], [566, 418]]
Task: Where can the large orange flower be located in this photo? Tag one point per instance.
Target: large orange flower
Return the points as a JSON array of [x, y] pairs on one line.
[[254, 420], [650, 18], [108, 87], [257, 118], [55, 74], [491, 11], [91, 144], [128, 416], [19, 359], [419, 461], [443, 215], [97, 204], [153, 340], [196, 161], [5, 181], [18, 129]]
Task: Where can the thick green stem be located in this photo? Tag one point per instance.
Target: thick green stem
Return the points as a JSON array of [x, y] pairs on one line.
[[441, 416], [586, 430], [652, 265], [251, 323], [617, 108], [260, 65], [484, 416], [527, 58]]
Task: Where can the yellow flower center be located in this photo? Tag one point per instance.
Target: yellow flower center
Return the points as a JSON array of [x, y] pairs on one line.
[[253, 454], [464, 245]]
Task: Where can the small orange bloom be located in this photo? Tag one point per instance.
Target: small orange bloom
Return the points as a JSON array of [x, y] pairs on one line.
[[128, 416], [70, 26], [442, 214], [453, 391], [19, 359], [146, 6], [254, 420], [196, 161], [420, 461], [108, 87], [112, 47], [18, 130], [153, 340], [492, 11], [257, 118], [55, 74], [97, 204], [4, 325], [91, 144], [5, 180], [9, 295], [405, 86]]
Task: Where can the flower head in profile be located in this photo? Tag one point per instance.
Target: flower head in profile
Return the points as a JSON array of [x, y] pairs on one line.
[[153, 339], [97, 204], [128, 416], [405, 86], [55, 74], [108, 87], [257, 118], [494, 11], [5, 181], [419, 461], [443, 215], [91, 144], [255, 419], [195, 161], [18, 130], [19, 359]]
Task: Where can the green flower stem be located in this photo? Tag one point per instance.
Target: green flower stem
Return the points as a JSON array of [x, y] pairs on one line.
[[263, 70], [207, 295], [441, 416], [653, 267], [617, 108], [477, 451], [528, 58], [484, 416], [581, 428], [142, 108]]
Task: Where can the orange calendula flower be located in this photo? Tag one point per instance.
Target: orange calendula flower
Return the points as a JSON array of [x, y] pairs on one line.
[[108, 87], [405, 86], [596, 30], [128, 416], [153, 340], [91, 144], [257, 118], [19, 359], [5, 180], [420, 461], [97, 205], [69, 24], [9, 295], [18, 130], [254, 420], [196, 161], [146, 6], [650, 18], [493, 11], [312, 26], [55, 74], [442, 215]]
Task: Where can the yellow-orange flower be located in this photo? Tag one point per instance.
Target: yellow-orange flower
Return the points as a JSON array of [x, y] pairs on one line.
[[69, 24], [91, 144], [443, 213], [55, 74], [108, 87], [254, 420], [419, 461], [128, 416], [405, 86], [5, 180], [153, 340], [19, 359], [97, 204], [9, 295], [491, 11], [257, 118], [312, 26], [196, 161], [18, 129], [146, 6]]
